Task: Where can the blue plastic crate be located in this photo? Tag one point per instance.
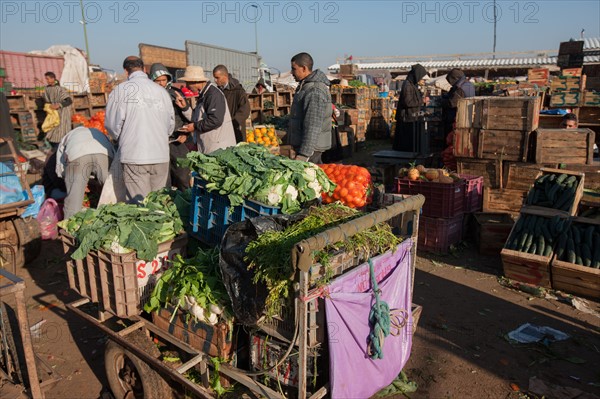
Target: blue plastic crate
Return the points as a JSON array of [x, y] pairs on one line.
[[211, 213]]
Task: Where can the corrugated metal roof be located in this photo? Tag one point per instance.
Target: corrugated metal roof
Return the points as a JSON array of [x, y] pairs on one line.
[[482, 63], [591, 43], [27, 70]]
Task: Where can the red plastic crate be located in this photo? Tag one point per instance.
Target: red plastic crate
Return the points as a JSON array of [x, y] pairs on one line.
[[442, 200], [437, 234], [473, 193]]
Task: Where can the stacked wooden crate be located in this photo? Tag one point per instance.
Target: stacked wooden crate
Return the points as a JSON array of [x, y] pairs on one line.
[[492, 131], [379, 127], [89, 104], [268, 105], [357, 104], [567, 91]]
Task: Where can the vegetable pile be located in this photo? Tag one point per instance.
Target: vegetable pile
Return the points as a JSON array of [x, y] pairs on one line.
[[553, 191], [270, 254], [420, 172], [580, 244], [262, 135], [249, 171], [354, 187], [194, 285], [95, 122], [122, 228], [536, 234]]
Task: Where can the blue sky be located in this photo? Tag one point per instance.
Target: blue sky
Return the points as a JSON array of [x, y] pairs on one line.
[[326, 29]]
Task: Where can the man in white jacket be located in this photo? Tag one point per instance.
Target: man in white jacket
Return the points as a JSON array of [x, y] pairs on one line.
[[140, 117], [81, 153]]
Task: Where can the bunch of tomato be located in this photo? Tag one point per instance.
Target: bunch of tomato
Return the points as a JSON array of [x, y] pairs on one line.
[[354, 185], [95, 122]]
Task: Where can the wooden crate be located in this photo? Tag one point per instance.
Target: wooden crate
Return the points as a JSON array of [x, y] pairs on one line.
[[565, 98], [538, 76], [81, 101], [17, 103], [578, 193], [525, 267], [591, 99], [589, 115], [577, 279], [284, 99], [491, 170], [509, 113], [98, 99], [565, 83], [255, 101], [503, 200], [466, 113], [520, 176], [491, 231], [282, 111], [592, 174], [269, 98], [508, 145], [550, 121], [564, 146], [466, 141]]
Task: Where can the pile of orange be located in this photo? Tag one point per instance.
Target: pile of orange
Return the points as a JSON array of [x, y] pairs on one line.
[[263, 135]]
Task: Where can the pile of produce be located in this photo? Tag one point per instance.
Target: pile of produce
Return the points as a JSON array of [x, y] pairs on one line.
[[270, 254], [536, 234], [262, 135], [354, 186], [194, 285], [420, 172], [580, 244], [555, 191], [95, 122], [249, 171], [123, 228]]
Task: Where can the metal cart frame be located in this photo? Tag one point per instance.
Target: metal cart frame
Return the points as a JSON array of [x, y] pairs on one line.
[[407, 211]]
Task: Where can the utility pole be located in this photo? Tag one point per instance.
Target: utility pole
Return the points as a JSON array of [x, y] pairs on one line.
[[84, 23], [256, 27], [495, 18]]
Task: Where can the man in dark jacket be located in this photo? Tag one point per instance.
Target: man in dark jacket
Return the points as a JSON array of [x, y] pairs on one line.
[[237, 100], [310, 116], [461, 88], [180, 177], [409, 123]]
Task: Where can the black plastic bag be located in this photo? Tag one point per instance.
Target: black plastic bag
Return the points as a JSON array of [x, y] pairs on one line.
[[247, 299]]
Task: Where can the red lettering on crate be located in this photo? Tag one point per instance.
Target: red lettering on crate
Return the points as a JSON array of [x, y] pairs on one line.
[[141, 270], [155, 267]]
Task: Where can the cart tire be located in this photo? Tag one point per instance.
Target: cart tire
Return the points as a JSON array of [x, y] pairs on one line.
[[129, 376], [30, 238]]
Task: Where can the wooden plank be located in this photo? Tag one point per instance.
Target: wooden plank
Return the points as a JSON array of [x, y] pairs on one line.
[[527, 268], [503, 200], [575, 279], [551, 145], [520, 176], [491, 170], [510, 113], [466, 114]]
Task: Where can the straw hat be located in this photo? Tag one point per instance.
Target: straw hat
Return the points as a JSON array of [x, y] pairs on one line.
[[194, 73]]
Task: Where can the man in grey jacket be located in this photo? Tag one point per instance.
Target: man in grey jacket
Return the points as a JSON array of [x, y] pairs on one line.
[[140, 117], [310, 116]]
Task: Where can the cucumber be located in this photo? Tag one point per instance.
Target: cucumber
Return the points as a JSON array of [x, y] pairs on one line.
[[565, 198], [531, 221], [596, 254], [561, 178], [554, 224], [576, 235], [553, 192], [571, 180], [522, 241], [532, 249], [552, 178], [519, 224], [589, 236], [579, 260], [561, 246], [586, 255], [548, 250], [571, 255], [538, 225], [529, 243], [546, 234], [529, 199], [536, 197], [541, 245], [541, 180]]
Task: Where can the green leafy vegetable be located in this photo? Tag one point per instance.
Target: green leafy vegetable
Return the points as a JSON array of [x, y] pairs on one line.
[[270, 253], [122, 228], [249, 171]]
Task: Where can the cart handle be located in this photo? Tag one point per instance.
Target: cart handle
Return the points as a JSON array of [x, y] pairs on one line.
[[302, 251]]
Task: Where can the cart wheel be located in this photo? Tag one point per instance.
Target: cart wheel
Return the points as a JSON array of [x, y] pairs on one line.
[[129, 376], [9, 358], [30, 238], [10, 236]]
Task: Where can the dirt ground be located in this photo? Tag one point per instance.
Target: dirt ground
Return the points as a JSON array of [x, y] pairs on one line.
[[460, 349]]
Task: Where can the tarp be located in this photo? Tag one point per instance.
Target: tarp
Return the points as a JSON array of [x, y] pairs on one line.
[[347, 306], [75, 76]]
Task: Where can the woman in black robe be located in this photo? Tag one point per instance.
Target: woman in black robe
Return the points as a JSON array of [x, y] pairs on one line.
[[409, 125]]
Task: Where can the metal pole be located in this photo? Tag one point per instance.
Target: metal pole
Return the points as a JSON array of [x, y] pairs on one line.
[[256, 28], [87, 48], [495, 16]]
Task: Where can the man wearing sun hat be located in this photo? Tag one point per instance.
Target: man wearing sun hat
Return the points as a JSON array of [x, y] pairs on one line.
[[212, 124]]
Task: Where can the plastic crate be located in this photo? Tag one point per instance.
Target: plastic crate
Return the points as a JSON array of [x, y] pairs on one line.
[[437, 234], [473, 193], [120, 283], [442, 200], [212, 213]]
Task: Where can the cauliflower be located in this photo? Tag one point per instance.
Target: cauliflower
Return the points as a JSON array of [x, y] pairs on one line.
[[291, 192], [310, 174]]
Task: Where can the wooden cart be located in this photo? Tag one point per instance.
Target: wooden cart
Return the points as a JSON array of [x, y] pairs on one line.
[[133, 362]]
